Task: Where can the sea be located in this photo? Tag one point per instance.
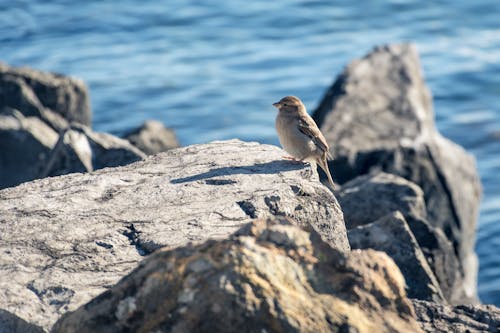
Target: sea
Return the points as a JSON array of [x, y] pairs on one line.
[[211, 69]]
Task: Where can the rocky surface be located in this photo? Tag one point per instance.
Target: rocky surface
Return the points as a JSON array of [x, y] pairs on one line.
[[45, 129], [268, 277], [405, 190], [71, 237], [457, 319], [152, 138], [10, 323], [392, 235], [25, 147], [378, 116], [370, 197], [56, 99]]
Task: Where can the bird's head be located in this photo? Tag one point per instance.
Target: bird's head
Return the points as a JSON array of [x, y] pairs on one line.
[[289, 104]]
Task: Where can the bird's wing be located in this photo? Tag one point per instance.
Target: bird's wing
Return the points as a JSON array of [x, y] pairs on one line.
[[308, 127]]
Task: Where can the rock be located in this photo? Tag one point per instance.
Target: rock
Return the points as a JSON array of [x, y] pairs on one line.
[[34, 106], [270, 276], [370, 197], [152, 138], [25, 146], [70, 237], [457, 319], [378, 116], [30, 149], [392, 235], [56, 99], [72, 153], [10, 323], [79, 149]]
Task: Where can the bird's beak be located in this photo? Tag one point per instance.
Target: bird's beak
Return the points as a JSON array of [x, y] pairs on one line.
[[277, 105]]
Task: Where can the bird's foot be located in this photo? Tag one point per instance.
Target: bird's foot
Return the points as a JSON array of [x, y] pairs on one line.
[[291, 158]]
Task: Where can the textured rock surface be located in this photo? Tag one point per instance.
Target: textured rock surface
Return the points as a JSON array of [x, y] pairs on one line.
[[392, 235], [370, 197], [10, 323], [268, 277], [25, 146], [71, 237], [457, 319], [152, 138], [54, 98], [378, 115]]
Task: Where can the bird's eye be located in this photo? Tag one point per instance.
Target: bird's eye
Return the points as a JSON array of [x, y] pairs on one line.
[[284, 104]]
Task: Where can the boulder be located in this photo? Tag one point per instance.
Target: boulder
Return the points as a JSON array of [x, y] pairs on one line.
[[54, 98], [378, 116], [152, 138], [457, 319], [391, 234], [71, 237], [72, 153], [270, 276], [30, 149], [370, 197], [25, 147], [79, 149], [34, 108], [10, 323]]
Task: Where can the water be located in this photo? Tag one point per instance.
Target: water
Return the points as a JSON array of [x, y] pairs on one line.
[[211, 69]]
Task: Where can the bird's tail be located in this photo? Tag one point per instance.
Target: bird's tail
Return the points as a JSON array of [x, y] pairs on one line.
[[324, 165]]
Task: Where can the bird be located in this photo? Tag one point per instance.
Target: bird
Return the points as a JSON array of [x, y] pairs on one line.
[[300, 136]]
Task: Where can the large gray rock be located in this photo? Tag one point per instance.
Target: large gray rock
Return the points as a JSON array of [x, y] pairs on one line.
[[25, 147], [152, 138], [391, 234], [378, 115], [71, 237], [457, 319], [370, 197], [56, 99], [270, 276]]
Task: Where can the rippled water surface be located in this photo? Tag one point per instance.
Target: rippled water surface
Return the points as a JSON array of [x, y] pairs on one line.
[[211, 69]]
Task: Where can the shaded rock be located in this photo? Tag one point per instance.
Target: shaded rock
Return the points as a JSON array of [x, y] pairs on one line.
[[72, 236], [152, 138], [373, 196], [268, 277], [72, 153], [56, 99], [392, 235], [79, 149], [30, 149], [25, 146], [369, 197], [378, 115], [10, 323], [457, 319]]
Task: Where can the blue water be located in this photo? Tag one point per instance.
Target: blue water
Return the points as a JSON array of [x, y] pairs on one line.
[[211, 69]]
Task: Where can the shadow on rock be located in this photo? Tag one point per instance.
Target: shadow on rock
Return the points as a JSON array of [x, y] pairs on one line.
[[259, 168]]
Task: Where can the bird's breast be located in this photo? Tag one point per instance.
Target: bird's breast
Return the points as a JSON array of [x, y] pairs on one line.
[[292, 140]]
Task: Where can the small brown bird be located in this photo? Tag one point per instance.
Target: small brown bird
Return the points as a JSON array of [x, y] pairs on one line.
[[300, 136]]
